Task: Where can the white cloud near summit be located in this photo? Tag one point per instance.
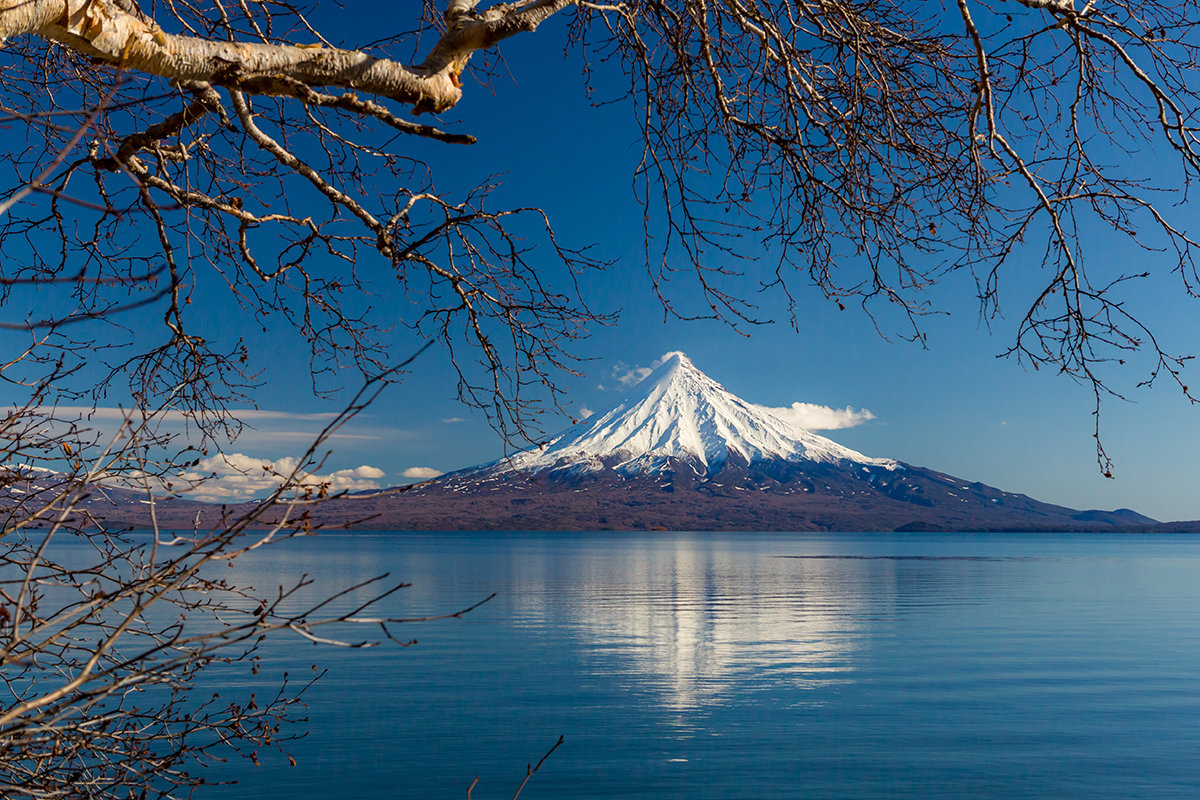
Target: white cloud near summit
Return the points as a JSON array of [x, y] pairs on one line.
[[805, 415], [628, 376], [820, 418]]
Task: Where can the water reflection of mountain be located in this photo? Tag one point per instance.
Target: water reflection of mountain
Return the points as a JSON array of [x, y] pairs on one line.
[[693, 623]]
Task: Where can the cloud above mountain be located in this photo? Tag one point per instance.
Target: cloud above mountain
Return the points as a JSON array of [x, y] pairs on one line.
[[815, 417], [810, 416]]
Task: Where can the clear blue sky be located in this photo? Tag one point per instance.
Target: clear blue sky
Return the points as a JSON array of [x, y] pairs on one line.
[[954, 406]]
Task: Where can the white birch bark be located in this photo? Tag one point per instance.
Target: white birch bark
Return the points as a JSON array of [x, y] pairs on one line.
[[102, 30]]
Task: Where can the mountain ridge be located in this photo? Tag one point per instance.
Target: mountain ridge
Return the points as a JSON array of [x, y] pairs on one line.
[[678, 451], [677, 412]]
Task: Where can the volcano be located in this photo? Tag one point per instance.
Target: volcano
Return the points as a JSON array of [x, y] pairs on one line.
[[677, 420], [678, 452], [681, 452]]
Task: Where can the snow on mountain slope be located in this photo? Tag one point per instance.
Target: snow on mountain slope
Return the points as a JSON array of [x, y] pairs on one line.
[[679, 414]]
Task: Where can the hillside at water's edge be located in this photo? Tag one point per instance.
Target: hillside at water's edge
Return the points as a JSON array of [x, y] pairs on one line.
[[681, 452], [751, 501]]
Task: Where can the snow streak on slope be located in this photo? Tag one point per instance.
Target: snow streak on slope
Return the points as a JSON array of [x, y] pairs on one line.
[[678, 413]]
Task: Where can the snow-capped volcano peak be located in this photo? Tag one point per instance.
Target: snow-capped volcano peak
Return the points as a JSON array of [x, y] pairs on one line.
[[679, 414]]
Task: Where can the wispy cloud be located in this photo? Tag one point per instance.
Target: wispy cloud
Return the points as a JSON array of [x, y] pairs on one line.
[[628, 376], [107, 413], [452, 420], [261, 427], [304, 436], [820, 418]]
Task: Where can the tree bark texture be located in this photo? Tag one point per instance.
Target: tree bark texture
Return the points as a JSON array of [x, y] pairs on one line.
[[102, 30]]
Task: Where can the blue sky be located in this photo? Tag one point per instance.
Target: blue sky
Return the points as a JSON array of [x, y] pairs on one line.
[[952, 406]]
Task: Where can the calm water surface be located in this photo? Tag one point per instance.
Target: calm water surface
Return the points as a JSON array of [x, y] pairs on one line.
[[752, 666]]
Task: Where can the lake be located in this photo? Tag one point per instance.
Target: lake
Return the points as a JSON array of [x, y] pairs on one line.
[[739, 666]]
